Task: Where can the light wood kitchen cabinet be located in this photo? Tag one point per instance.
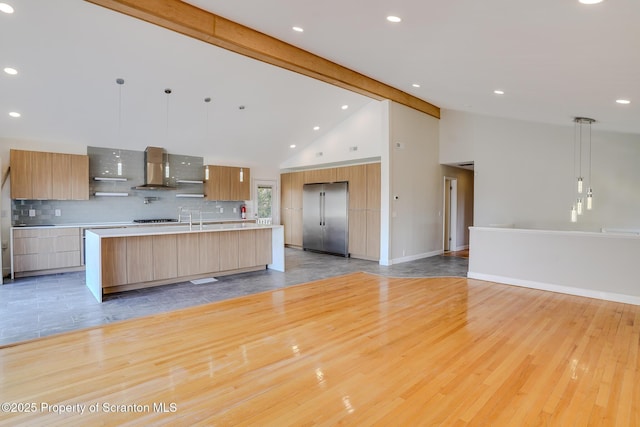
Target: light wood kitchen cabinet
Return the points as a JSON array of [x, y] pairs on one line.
[[229, 254], [291, 188], [296, 227], [285, 220], [49, 176], [243, 189], [70, 177], [264, 253], [165, 257], [373, 186], [224, 183], [45, 250], [356, 176], [373, 234], [320, 175], [246, 249], [209, 252], [139, 259], [21, 178], [41, 184], [357, 232], [188, 254], [114, 261]]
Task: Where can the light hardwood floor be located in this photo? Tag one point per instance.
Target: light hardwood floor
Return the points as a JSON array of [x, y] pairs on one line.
[[357, 349]]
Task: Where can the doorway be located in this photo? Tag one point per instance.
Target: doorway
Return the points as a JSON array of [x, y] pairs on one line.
[[450, 214], [266, 201]]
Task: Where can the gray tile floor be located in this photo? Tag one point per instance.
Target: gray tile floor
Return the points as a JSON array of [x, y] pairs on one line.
[[39, 306]]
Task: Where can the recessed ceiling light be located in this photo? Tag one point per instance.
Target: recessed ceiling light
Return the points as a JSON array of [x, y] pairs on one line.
[[298, 29], [498, 92], [292, 146], [316, 128], [344, 107], [14, 114], [392, 18], [415, 85], [590, 1], [623, 101], [11, 71], [5, 8]]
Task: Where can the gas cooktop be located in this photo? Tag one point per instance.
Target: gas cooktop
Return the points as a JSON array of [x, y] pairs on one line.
[[154, 220]]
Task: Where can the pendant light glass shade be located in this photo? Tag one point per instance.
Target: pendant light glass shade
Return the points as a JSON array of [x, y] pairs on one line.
[[579, 206], [574, 214], [589, 199], [580, 185]]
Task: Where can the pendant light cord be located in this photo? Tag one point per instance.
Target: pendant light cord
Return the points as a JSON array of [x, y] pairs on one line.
[[589, 155]]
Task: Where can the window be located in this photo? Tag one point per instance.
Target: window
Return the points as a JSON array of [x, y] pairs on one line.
[[265, 202]]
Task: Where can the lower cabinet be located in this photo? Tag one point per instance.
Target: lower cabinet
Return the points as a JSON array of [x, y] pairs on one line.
[[41, 250], [264, 249], [188, 254], [165, 257], [209, 252], [140, 259], [229, 252], [114, 261]]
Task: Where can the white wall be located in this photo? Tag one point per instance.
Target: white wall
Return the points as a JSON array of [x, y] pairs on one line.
[[524, 172], [363, 129], [456, 137], [415, 182], [595, 265]]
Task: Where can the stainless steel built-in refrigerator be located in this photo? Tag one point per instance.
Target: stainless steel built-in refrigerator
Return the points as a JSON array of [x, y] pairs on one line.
[[325, 220]]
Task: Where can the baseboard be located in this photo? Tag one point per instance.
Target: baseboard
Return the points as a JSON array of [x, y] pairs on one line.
[[581, 292], [461, 248], [415, 257]]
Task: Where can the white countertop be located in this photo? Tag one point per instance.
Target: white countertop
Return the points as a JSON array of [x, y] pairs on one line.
[[176, 229], [131, 224]]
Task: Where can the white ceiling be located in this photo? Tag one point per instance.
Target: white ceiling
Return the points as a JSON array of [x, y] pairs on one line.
[[69, 54], [555, 59]]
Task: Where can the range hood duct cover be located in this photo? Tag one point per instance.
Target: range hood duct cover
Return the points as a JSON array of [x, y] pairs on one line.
[[154, 170]]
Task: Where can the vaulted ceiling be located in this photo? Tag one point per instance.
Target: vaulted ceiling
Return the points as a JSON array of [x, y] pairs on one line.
[[553, 59]]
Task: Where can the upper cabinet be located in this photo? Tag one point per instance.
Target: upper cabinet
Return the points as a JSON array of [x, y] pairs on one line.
[[39, 175], [228, 183], [320, 176]]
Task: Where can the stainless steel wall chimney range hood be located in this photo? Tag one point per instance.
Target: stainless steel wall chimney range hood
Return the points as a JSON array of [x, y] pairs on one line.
[[154, 168]]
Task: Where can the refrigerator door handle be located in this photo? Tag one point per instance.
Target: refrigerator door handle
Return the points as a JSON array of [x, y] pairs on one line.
[[320, 207], [324, 202]]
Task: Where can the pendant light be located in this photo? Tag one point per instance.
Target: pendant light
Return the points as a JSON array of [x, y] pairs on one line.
[[167, 173], [207, 100], [120, 82], [582, 132]]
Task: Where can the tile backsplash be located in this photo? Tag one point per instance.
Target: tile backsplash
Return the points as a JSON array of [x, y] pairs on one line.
[[139, 204]]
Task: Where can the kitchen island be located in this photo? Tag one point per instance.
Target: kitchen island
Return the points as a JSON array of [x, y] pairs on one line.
[[133, 258]]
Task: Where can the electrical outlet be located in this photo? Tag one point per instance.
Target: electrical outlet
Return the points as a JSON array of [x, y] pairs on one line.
[[221, 210], [5, 245], [235, 210], [58, 212], [32, 212]]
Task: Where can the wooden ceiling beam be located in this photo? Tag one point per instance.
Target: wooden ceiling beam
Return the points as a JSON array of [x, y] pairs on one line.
[[191, 21]]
